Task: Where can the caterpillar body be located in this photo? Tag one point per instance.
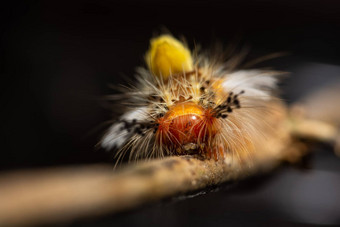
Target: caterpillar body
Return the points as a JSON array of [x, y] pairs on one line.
[[182, 105]]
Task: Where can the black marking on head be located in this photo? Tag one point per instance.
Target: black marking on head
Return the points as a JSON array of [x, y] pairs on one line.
[[160, 115], [155, 127], [224, 116], [134, 126], [138, 130], [155, 97], [232, 102]]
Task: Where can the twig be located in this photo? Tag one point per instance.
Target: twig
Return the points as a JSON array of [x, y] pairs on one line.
[[64, 194]]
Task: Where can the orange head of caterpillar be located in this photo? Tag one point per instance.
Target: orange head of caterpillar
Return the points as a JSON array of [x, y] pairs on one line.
[[186, 128]]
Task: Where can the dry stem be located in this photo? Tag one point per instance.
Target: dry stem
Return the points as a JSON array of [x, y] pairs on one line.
[[64, 194]]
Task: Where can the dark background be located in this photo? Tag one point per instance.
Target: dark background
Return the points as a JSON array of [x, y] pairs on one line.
[[58, 57]]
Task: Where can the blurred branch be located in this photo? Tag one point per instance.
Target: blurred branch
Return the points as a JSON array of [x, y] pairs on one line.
[[64, 194]]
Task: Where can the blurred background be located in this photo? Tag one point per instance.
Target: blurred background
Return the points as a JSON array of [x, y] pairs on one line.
[[57, 59]]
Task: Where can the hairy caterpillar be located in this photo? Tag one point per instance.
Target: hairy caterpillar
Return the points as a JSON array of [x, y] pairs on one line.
[[182, 105]]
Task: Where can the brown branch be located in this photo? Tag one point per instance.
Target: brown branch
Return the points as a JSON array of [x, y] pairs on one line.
[[64, 194], [67, 193]]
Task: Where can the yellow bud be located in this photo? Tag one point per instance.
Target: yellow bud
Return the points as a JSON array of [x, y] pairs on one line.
[[168, 56]]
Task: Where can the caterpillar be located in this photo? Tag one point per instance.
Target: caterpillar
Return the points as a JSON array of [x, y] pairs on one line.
[[184, 105]]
